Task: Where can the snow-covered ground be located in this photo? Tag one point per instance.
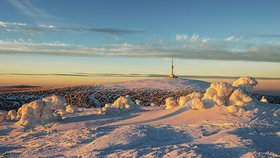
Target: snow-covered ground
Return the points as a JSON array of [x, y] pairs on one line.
[[150, 132], [160, 83], [179, 131]]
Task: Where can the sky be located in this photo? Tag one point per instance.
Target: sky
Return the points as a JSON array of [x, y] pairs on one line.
[[44, 41]]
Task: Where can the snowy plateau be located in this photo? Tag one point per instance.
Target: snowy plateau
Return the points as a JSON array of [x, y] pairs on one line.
[[160, 117]]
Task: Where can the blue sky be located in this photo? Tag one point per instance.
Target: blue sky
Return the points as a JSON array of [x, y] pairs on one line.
[[129, 36]]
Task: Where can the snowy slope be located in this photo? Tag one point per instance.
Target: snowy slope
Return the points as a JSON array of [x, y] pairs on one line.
[[160, 83], [151, 132]]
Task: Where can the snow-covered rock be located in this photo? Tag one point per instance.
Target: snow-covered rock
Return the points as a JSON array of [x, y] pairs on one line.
[[12, 115], [219, 92], [41, 111], [184, 99], [239, 98], [245, 83], [71, 109], [264, 99], [170, 103]]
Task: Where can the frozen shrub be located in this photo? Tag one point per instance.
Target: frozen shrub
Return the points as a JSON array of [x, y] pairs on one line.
[[154, 104], [12, 115], [138, 102], [41, 111], [71, 109], [120, 105], [245, 83], [239, 98], [219, 92], [1, 118], [232, 109], [122, 101], [197, 104], [55, 101], [184, 99], [264, 99], [170, 103], [3, 115]]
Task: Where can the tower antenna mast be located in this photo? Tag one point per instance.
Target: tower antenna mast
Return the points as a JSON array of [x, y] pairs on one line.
[[172, 75]]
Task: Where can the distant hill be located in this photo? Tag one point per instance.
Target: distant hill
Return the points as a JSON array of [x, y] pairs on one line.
[[20, 86], [161, 83]]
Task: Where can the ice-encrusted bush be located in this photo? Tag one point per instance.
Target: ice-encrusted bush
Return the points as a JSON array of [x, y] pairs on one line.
[[263, 99], [170, 103], [41, 111], [184, 99], [232, 109], [120, 105], [138, 102], [71, 109], [3, 115], [219, 92], [239, 98], [154, 104], [197, 104], [12, 115], [245, 83]]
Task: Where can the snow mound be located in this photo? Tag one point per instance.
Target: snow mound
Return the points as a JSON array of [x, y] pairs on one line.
[[245, 83], [184, 99], [41, 111], [120, 105], [219, 92], [170, 103], [161, 83], [71, 109]]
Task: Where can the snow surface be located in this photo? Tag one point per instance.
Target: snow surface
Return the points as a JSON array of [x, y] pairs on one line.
[[227, 130], [160, 83]]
